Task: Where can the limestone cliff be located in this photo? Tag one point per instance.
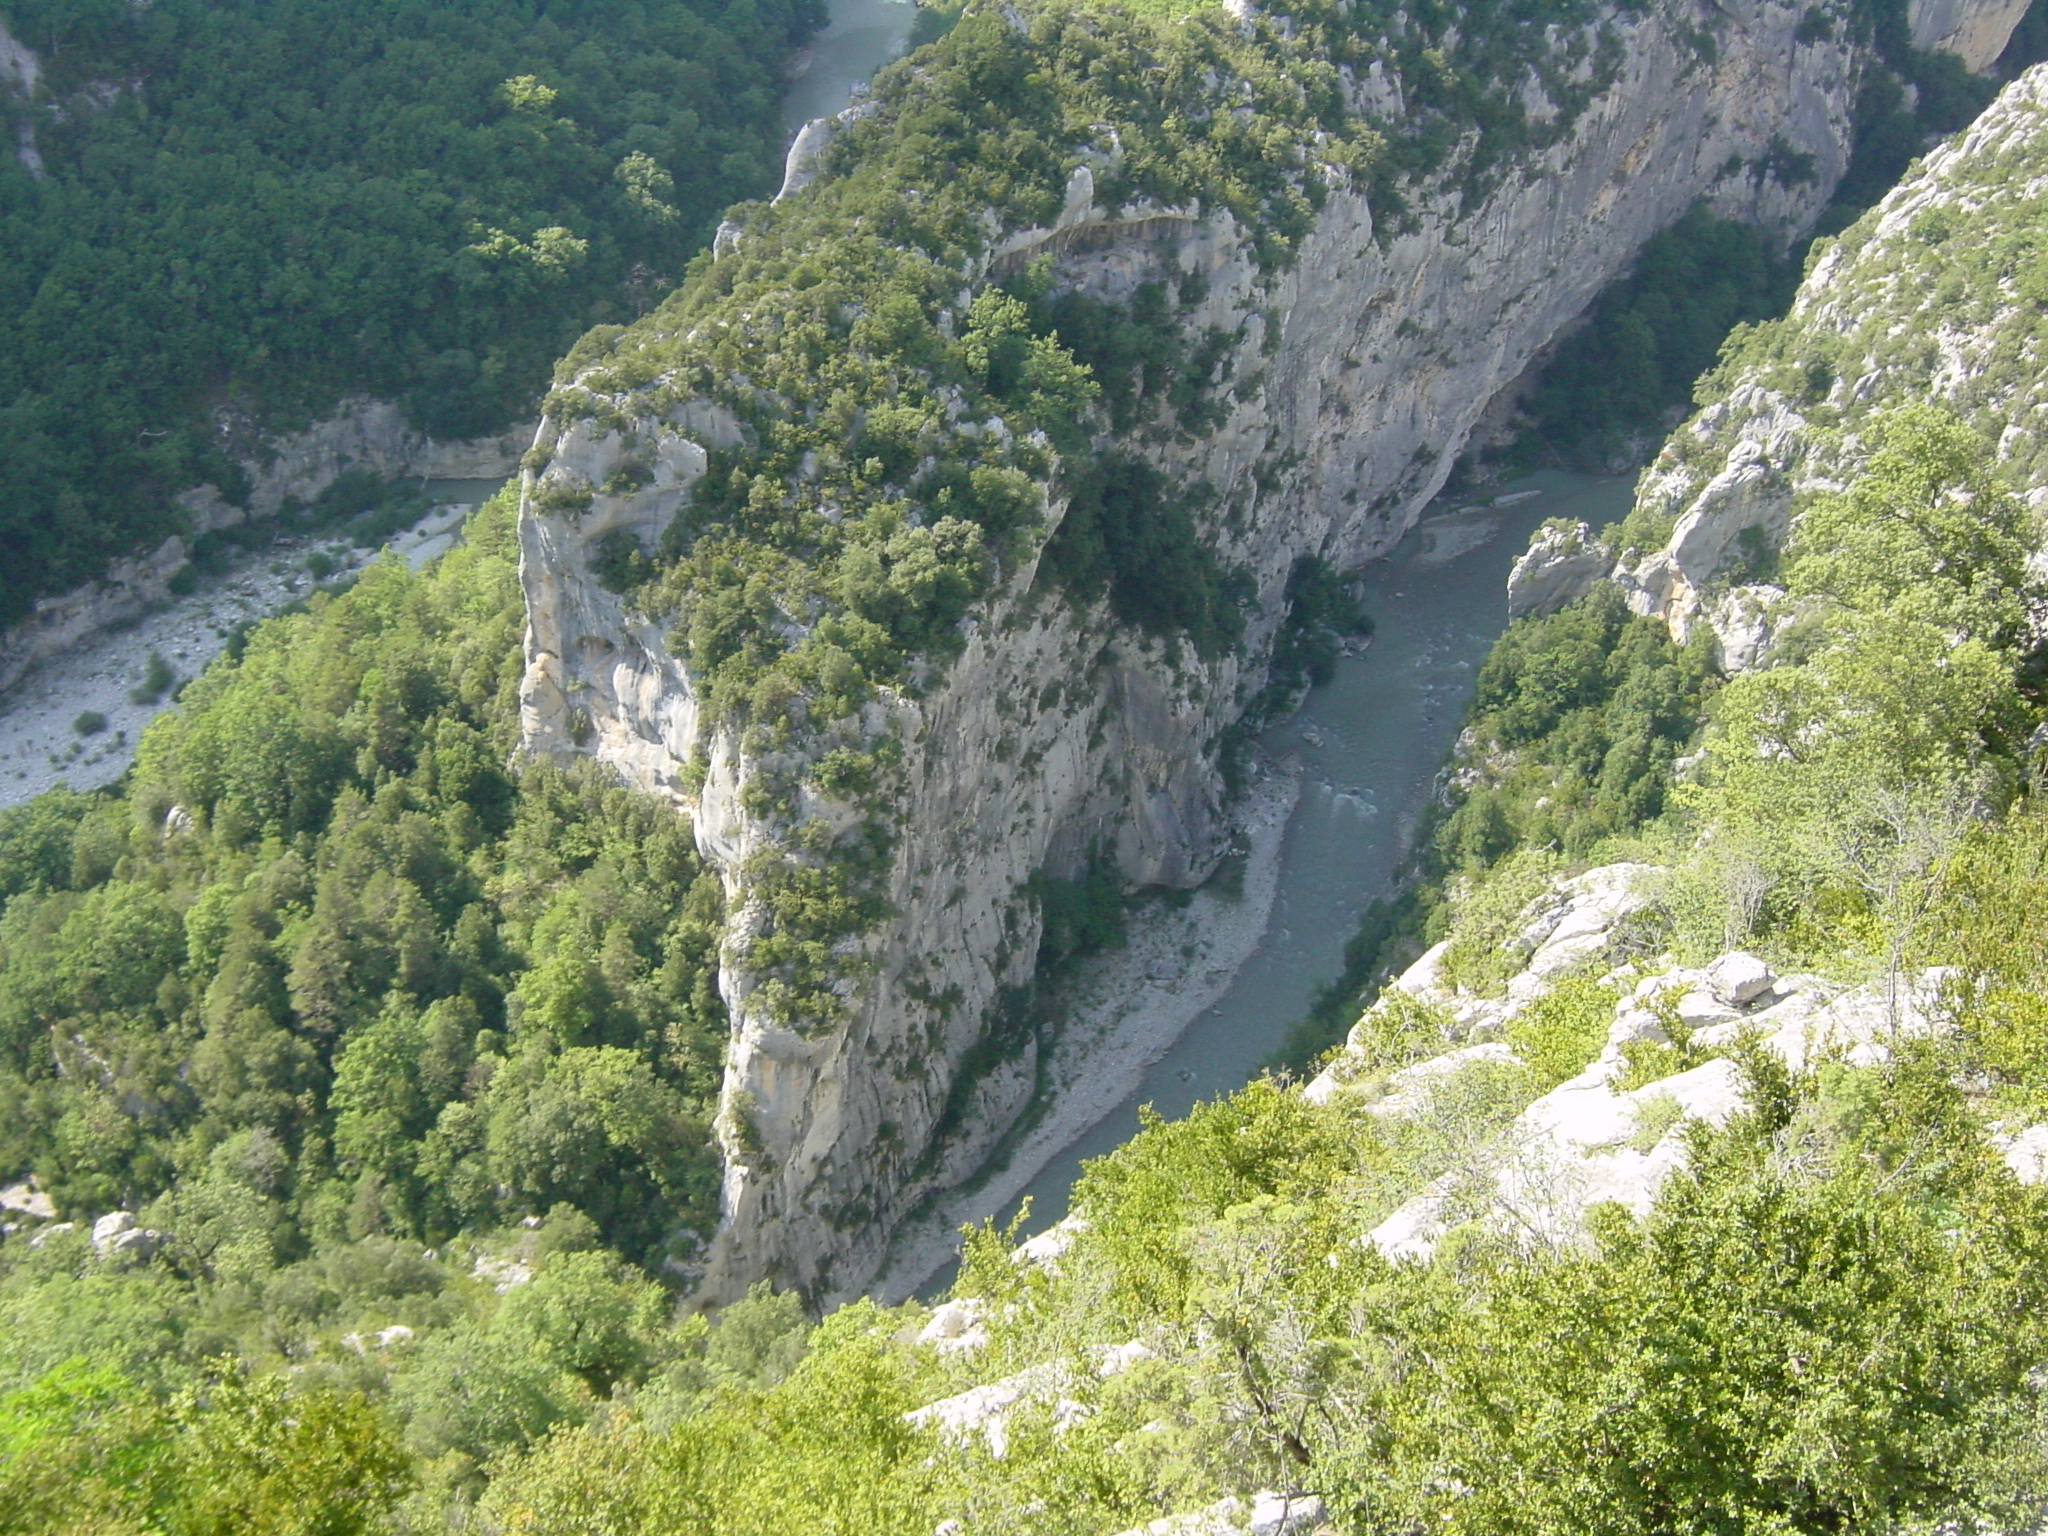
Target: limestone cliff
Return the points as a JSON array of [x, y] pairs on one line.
[[1360, 366], [1935, 295]]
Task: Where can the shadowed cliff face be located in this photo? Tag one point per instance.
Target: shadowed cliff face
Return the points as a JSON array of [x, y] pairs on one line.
[[1358, 372]]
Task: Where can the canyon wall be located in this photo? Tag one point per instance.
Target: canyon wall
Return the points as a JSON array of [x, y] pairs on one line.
[[1360, 371]]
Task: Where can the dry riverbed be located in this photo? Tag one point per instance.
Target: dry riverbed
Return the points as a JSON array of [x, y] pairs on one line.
[[75, 718]]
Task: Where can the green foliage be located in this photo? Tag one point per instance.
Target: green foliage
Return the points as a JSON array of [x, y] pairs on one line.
[[1652, 333], [830, 1441], [1486, 919], [1137, 352], [887, 405], [1577, 719], [1081, 916], [1898, 715], [1263, 1140], [260, 210], [1400, 1029], [1990, 922], [1925, 533], [157, 678], [237, 1455], [1558, 1035], [1321, 615], [381, 985], [1828, 1321], [1131, 536], [1771, 1349]]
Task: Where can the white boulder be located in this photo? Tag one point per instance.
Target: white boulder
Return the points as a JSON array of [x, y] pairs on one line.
[[1739, 978], [29, 1198], [957, 1327], [2025, 1152], [1268, 1514], [111, 1226], [117, 1238]]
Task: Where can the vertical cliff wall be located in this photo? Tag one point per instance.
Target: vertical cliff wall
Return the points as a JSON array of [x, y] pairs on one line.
[[1357, 368]]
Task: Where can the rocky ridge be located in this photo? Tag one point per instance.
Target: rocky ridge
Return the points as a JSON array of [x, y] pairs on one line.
[[1935, 295], [1367, 363], [1610, 1133]]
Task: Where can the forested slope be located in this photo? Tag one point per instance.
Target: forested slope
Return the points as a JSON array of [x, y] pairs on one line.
[[223, 219], [398, 1059]]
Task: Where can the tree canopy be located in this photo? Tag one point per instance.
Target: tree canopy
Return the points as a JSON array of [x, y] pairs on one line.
[[244, 214]]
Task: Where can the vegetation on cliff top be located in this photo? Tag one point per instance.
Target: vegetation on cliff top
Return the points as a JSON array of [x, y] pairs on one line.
[[905, 391], [896, 425]]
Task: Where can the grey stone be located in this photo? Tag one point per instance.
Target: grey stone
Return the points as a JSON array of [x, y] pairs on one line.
[[1739, 978]]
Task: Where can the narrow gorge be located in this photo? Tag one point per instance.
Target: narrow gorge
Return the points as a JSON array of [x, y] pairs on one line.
[[815, 551]]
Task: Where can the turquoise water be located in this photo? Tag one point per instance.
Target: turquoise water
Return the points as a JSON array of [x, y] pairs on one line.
[[1371, 744], [860, 38]]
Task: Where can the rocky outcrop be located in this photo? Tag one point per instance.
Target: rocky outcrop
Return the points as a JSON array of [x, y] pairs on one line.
[[368, 435], [363, 434], [1607, 1134], [806, 155], [1361, 370], [1571, 927], [1266, 1514], [117, 1239], [1592, 1139], [20, 74], [1912, 304], [1561, 565], [1976, 34]]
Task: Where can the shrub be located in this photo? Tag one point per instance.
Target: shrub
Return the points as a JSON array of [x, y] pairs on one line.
[[157, 678], [1559, 1034]]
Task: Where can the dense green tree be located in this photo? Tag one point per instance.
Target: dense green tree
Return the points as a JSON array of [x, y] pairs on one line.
[[430, 993], [247, 213]]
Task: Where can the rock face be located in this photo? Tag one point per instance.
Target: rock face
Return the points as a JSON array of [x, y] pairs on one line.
[[1591, 1139], [1268, 1514], [363, 434], [117, 1239], [20, 73], [1363, 369], [1976, 34], [1862, 337]]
